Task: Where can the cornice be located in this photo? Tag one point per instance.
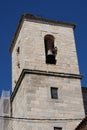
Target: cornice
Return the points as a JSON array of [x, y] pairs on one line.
[[44, 73], [36, 19]]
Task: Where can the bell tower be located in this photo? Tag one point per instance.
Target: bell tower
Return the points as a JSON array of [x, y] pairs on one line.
[[45, 75]]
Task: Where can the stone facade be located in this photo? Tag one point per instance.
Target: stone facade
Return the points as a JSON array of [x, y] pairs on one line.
[[30, 39], [32, 78]]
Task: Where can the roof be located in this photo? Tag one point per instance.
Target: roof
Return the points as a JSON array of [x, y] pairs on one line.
[[82, 125], [32, 17]]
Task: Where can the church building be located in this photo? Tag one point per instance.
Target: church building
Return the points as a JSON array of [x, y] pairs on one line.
[[46, 82]]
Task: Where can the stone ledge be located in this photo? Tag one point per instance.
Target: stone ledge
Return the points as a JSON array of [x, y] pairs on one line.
[[45, 73]]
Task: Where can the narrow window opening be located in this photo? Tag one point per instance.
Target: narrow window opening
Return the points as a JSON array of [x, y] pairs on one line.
[[50, 50], [57, 128], [54, 93], [18, 50]]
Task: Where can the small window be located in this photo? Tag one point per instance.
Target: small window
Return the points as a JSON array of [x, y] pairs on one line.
[[57, 128], [54, 93], [18, 50]]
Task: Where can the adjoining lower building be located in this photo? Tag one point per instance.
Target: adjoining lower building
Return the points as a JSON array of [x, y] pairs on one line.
[[82, 125]]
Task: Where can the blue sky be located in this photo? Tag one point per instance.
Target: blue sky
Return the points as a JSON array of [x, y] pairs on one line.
[[63, 10]]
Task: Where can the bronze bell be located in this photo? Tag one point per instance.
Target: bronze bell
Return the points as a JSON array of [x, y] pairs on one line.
[[49, 52]]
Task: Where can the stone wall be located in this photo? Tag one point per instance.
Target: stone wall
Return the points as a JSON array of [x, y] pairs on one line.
[[33, 100], [32, 50]]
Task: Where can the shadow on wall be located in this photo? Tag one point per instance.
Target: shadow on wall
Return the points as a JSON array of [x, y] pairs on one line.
[[84, 94]]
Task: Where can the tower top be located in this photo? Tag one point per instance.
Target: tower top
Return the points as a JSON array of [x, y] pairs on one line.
[[36, 18]]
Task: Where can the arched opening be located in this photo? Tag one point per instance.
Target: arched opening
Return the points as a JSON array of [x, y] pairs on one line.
[[50, 50]]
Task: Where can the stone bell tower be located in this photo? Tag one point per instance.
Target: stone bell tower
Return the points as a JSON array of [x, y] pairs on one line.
[[45, 76]]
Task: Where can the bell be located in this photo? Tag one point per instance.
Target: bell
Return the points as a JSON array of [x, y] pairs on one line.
[[49, 52], [50, 59]]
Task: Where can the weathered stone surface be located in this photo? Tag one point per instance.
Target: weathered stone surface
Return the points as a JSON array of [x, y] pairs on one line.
[[32, 50], [33, 98]]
